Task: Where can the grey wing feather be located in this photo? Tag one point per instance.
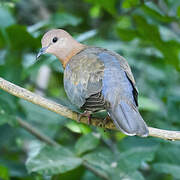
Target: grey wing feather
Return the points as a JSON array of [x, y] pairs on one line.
[[83, 77], [125, 66], [118, 91]]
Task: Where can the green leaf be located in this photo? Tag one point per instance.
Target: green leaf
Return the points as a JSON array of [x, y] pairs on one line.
[[130, 3], [150, 35], [105, 162], [109, 6], [178, 11], [126, 34], [147, 104], [95, 11], [47, 121], [136, 156], [4, 174], [166, 168], [87, 142], [78, 127], [101, 159], [133, 175], [167, 153], [6, 118], [52, 160], [88, 175], [147, 31], [6, 19], [64, 19], [7, 109], [20, 38], [134, 151], [73, 126], [3, 116], [155, 14], [124, 22]]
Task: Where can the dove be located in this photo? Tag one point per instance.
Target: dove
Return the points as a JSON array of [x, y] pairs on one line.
[[97, 79]]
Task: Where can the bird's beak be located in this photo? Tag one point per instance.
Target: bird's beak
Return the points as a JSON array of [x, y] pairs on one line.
[[41, 51]]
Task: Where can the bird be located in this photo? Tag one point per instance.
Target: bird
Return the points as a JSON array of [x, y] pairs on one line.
[[97, 79]]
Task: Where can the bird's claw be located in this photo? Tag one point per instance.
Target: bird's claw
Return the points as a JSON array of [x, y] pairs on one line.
[[106, 120], [85, 114]]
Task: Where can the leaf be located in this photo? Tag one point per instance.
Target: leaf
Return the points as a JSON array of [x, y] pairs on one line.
[[149, 34], [7, 109], [95, 11], [74, 174], [133, 175], [64, 19], [147, 104], [47, 121], [147, 31], [166, 168], [52, 160], [126, 34], [178, 11], [4, 174], [109, 6], [105, 162], [124, 22], [155, 14], [78, 127], [86, 143], [101, 160], [88, 175], [6, 19], [134, 151], [20, 38], [6, 118], [136, 156], [167, 153], [130, 3]]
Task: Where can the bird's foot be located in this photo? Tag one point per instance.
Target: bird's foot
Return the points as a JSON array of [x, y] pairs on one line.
[[106, 120], [85, 114]]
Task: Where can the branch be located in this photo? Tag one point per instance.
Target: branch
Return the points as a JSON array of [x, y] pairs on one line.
[[36, 133], [64, 111]]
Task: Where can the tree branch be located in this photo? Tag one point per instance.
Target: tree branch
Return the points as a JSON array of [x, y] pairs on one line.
[[64, 111], [36, 133]]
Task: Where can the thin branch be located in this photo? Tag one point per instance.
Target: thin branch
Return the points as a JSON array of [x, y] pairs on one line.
[[64, 111], [97, 173], [36, 133]]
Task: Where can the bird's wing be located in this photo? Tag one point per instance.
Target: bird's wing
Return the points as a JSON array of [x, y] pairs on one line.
[[118, 90], [125, 66], [83, 77]]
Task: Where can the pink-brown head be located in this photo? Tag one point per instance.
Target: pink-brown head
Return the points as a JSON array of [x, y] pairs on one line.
[[61, 44]]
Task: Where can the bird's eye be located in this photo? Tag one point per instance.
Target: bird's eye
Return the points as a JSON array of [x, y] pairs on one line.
[[54, 39]]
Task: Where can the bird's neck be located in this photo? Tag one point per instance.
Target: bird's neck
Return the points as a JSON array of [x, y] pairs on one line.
[[73, 49]]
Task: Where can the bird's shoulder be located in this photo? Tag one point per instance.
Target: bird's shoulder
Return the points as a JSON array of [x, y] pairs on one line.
[[83, 76], [85, 65]]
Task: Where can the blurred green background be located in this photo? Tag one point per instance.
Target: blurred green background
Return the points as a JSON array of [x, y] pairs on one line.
[[146, 33]]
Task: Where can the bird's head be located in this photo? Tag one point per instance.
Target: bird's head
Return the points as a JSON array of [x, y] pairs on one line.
[[59, 43]]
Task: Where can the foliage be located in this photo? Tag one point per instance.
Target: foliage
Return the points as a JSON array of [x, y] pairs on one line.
[[146, 33]]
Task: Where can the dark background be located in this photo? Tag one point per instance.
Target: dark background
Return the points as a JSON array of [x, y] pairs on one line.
[[146, 33]]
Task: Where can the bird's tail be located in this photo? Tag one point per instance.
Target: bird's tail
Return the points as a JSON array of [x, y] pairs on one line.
[[127, 118]]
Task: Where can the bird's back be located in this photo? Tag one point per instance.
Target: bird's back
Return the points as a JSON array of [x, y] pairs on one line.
[[97, 70]]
